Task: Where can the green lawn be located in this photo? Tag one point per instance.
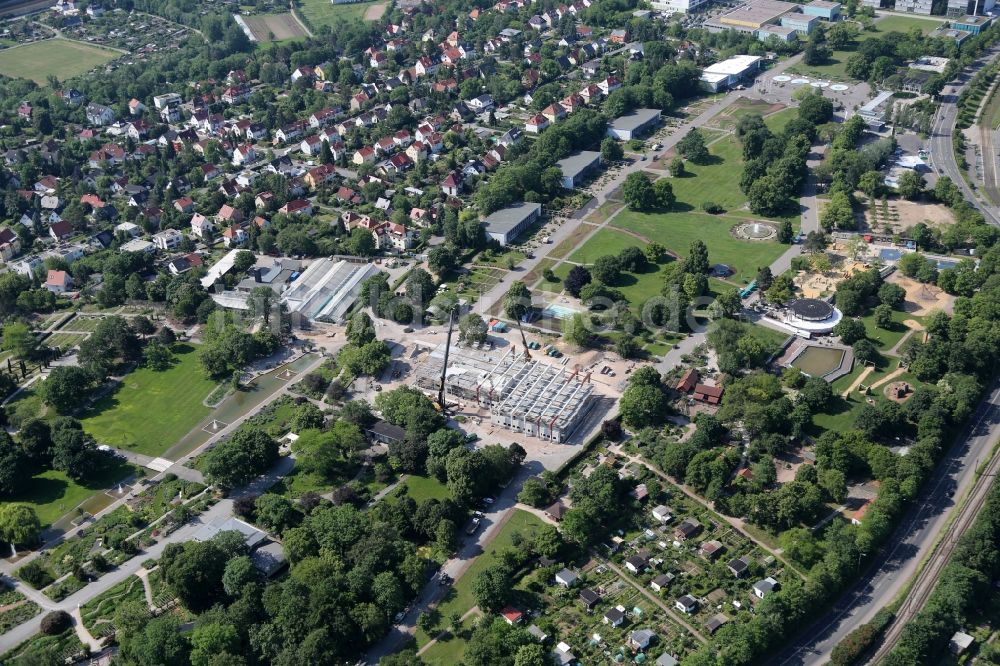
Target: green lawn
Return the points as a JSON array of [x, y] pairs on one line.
[[677, 231], [151, 411], [53, 494], [423, 488], [324, 12], [835, 68], [61, 58], [460, 599], [776, 121], [605, 241], [886, 340]]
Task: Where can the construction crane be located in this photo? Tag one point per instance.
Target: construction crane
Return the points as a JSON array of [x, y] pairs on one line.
[[444, 366]]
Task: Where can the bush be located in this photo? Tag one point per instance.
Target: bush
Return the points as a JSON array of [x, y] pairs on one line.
[[35, 575], [56, 622], [712, 208]]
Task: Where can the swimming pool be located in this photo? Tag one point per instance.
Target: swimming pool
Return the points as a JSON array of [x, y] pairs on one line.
[[558, 312], [945, 263], [889, 254]]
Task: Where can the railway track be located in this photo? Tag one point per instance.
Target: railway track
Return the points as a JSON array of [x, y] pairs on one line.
[[12, 9], [928, 577]]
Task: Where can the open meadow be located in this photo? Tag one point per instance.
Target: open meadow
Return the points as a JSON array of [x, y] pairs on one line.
[[62, 58], [152, 410]]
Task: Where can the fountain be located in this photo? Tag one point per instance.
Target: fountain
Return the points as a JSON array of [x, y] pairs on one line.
[[755, 231], [13, 550]]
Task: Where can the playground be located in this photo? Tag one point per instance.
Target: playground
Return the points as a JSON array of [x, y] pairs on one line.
[[921, 298]]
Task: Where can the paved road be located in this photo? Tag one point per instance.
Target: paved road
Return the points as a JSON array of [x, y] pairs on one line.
[[942, 152], [899, 558], [493, 520]]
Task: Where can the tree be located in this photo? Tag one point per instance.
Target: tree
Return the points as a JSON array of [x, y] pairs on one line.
[[663, 191], [764, 278], [785, 232], [871, 184], [638, 192], [850, 330], [911, 185], [243, 260], [472, 328], [816, 109], [535, 492], [611, 150], [577, 278], [838, 214], [892, 295], [677, 167], [576, 331], [74, 451], [360, 329], [693, 147], [234, 462], [516, 305], [606, 269], [194, 571], [767, 195], [239, 573], [213, 640], [19, 524], [441, 259], [865, 352], [18, 338], [275, 512], [697, 259], [815, 54], [65, 387], [643, 405], [156, 356], [883, 317]]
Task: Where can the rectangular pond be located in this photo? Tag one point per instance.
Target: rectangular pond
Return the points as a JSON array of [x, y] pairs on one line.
[[818, 361]]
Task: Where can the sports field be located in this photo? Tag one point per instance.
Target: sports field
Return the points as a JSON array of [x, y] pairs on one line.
[[62, 58], [151, 410], [274, 27], [324, 12]]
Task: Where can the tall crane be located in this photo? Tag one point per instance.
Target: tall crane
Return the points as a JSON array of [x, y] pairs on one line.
[[444, 366]]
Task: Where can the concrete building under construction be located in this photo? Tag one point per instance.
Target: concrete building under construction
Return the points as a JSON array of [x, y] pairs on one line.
[[528, 396]]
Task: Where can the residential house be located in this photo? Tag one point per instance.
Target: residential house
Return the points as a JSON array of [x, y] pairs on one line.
[[58, 282], [688, 529], [311, 145], [244, 154], [589, 598], [640, 639], [184, 204], [297, 207], [662, 514], [636, 564], [201, 226], [762, 588], [363, 155], [536, 124], [554, 112], [662, 582], [451, 185], [511, 615], [229, 215], [168, 239], [738, 567], [100, 115], [60, 230], [614, 617]]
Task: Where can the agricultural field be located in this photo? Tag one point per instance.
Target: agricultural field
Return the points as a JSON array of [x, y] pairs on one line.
[[323, 12], [61, 58], [274, 27], [129, 417]]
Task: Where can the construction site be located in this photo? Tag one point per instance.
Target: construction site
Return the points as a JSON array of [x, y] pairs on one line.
[[523, 394]]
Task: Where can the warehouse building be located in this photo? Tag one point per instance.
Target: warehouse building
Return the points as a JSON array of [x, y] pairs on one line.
[[726, 74], [804, 24], [529, 396], [754, 15], [328, 289], [578, 167], [633, 124], [507, 224]]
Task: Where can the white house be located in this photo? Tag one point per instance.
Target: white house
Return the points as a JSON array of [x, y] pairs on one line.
[[167, 240], [58, 282]]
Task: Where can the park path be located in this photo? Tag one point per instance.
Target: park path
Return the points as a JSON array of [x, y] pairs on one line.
[[442, 635], [83, 633], [857, 382], [889, 377], [147, 590]]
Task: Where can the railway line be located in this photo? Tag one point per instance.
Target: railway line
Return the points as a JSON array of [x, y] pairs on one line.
[[928, 577]]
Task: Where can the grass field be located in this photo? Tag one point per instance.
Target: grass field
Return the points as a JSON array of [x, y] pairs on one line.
[[323, 12], [65, 340], [274, 27], [677, 231], [53, 494], [151, 411], [461, 599], [835, 68], [80, 323], [422, 488], [61, 58]]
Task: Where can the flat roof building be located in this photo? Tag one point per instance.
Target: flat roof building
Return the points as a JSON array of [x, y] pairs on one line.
[[758, 13], [950, 33], [679, 6], [803, 23], [785, 34], [529, 396], [972, 24], [578, 166], [327, 289], [725, 74], [930, 64], [508, 223], [633, 124], [874, 111], [828, 11]]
